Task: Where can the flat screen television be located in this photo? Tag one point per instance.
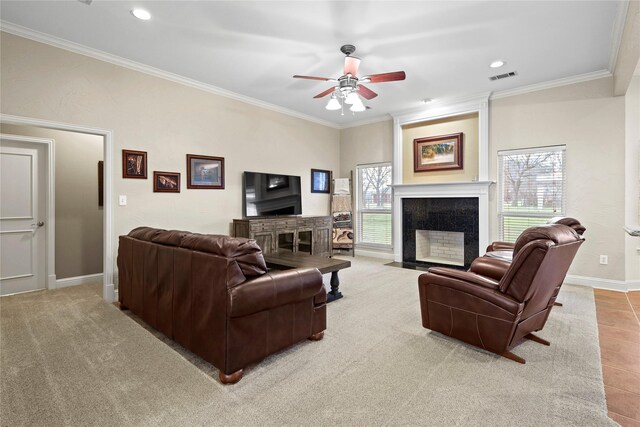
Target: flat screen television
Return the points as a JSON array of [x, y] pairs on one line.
[[267, 194]]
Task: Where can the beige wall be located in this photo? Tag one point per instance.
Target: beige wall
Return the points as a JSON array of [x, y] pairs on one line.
[[590, 121], [365, 144], [78, 218], [168, 120], [467, 124]]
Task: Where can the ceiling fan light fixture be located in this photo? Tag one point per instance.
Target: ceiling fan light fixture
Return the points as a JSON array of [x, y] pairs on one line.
[[358, 106], [141, 14], [352, 98], [333, 103]]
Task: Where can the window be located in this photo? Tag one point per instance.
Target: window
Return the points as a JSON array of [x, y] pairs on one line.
[[374, 205], [531, 188]]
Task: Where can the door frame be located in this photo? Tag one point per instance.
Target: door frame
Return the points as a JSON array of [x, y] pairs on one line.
[[50, 209], [108, 287]]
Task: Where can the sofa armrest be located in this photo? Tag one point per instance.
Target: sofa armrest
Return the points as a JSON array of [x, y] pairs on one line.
[[493, 268], [273, 290]]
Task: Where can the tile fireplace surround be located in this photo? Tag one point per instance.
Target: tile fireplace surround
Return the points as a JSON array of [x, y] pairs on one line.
[[466, 201], [445, 219]]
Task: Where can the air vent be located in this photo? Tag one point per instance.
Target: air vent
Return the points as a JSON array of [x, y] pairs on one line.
[[503, 76]]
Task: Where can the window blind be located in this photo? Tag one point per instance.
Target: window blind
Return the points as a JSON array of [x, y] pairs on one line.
[[531, 187], [374, 205]]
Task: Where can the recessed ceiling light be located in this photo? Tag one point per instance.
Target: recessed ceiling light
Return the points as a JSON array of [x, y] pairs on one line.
[[141, 14], [496, 64]]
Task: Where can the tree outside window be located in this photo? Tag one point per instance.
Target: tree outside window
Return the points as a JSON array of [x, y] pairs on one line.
[[532, 188], [374, 204]]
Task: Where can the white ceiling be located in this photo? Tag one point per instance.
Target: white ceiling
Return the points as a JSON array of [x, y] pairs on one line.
[[252, 48]]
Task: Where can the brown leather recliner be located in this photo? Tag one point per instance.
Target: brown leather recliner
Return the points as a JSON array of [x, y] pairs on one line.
[[495, 268], [495, 314], [214, 296], [564, 220]]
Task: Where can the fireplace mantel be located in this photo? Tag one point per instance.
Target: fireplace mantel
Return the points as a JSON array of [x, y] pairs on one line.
[[448, 189], [479, 189]]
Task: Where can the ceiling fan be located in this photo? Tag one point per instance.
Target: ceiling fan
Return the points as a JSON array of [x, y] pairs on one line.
[[349, 88]]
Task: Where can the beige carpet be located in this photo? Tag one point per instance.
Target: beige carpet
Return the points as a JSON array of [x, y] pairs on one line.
[[67, 358]]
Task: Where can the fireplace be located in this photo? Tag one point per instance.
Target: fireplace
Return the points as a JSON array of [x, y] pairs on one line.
[[440, 231], [440, 247]]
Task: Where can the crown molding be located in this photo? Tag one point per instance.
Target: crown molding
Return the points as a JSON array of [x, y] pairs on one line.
[[38, 36], [616, 33], [580, 78], [443, 107], [385, 118]]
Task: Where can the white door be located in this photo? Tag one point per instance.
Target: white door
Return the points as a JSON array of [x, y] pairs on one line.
[[23, 180]]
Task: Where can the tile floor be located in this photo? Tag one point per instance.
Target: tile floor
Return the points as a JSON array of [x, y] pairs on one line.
[[619, 331]]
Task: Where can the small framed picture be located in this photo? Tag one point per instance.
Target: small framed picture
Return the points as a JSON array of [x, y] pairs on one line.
[[320, 181], [134, 164], [205, 172], [166, 182], [438, 153]]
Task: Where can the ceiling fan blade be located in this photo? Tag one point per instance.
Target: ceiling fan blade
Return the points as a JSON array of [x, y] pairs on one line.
[[366, 92], [324, 79], [325, 93], [386, 77], [351, 64]]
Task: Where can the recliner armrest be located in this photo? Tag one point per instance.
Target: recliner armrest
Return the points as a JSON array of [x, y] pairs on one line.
[[467, 276], [500, 246], [490, 267], [273, 290], [463, 290]]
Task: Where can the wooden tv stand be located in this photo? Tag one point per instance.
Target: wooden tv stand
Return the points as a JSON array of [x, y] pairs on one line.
[[310, 234]]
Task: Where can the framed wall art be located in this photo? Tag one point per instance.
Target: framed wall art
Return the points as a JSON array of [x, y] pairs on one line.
[[205, 172], [134, 164], [320, 181], [166, 182], [438, 153]]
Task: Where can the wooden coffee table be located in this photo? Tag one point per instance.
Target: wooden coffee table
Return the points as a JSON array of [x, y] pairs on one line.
[[288, 259]]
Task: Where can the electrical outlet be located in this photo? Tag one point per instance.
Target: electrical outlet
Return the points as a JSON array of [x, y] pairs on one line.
[[604, 259], [122, 200]]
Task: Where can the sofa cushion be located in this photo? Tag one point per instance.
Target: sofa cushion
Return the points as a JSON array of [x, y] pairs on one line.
[[145, 233], [170, 237], [246, 252]]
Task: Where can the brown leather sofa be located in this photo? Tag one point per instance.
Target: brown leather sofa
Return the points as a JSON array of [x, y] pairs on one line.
[[214, 296], [495, 314]]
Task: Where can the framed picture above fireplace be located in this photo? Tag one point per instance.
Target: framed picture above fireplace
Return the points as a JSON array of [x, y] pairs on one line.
[[436, 153]]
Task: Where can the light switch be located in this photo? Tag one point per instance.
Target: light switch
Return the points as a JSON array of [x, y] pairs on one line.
[[122, 200]]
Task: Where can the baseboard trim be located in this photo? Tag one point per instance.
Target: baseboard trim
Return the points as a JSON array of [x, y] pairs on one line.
[[633, 285], [374, 254], [79, 280], [51, 281], [110, 293], [595, 282]]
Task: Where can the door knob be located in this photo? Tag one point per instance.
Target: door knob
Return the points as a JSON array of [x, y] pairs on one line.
[[39, 224]]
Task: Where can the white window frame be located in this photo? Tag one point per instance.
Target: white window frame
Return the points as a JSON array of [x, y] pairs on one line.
[[501, 186], [360, 211]]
